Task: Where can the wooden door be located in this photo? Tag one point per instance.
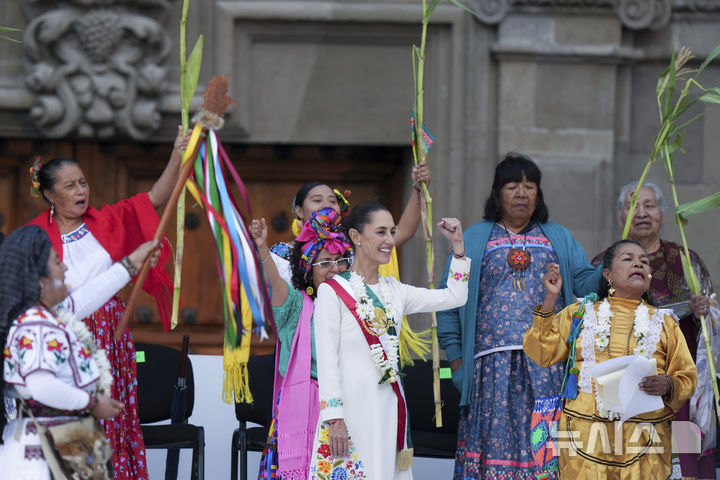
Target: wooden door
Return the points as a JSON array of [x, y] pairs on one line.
[[272, 175]]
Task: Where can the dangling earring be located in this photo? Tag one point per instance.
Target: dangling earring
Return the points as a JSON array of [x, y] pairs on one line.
[[309, 290], [52, 211], [611, 290]]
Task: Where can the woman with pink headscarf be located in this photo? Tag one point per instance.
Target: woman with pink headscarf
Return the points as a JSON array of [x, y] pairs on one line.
[[320, 251]]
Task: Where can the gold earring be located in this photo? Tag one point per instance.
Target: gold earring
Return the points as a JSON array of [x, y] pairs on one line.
[[310, 290], [611, 290]]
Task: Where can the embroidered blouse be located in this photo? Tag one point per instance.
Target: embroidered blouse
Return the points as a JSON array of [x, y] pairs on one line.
[[38, 344]]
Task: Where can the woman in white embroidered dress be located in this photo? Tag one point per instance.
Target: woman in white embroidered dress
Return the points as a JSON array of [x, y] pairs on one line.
[[620, 323], [362, 430], [51, 360]]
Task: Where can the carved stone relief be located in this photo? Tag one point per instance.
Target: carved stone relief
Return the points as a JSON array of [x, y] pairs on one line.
[[641, 14], [634, 14], [96, 67]]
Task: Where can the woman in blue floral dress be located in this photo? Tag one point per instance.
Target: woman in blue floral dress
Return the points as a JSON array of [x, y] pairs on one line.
[[483, 339]]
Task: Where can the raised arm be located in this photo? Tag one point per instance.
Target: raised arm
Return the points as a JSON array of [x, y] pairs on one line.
[[417, 300], [258, 230], [410, 218], [544, 342], [163, 186]]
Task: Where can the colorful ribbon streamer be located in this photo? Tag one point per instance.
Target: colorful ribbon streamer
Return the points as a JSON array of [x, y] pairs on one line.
[[245, 297]]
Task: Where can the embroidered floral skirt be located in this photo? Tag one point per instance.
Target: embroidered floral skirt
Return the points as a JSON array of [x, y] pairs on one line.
[[326, 467], [494, 436], [123, 431]]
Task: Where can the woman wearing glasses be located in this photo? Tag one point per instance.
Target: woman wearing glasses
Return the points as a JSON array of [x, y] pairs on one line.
[[319, 252]]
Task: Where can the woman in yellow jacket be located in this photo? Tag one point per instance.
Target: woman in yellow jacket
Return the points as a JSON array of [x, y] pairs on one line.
[[591, 442]]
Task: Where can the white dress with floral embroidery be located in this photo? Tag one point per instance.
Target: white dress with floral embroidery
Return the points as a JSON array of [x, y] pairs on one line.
[[46, 362], [348, 378]]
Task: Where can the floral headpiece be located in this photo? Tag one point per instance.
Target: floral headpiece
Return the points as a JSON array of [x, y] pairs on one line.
[[322, 230], [35, 178], [342, 201]]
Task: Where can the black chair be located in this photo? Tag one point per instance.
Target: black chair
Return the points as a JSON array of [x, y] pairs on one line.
[[261, 369], [429, 441], [157, 378]]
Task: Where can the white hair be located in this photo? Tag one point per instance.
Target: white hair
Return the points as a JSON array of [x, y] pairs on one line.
[[659, 197]]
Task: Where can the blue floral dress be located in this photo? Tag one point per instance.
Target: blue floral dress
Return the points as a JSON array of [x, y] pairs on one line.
[[494, 437]]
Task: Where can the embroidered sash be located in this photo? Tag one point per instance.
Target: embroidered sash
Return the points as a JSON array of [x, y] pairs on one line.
[[299, 406], [402, 437]]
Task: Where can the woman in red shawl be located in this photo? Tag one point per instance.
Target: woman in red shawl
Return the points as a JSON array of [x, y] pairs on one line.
[[89, 241]]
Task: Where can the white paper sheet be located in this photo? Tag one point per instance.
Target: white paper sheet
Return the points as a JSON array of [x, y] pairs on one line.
[[618, 381], [634, 400]]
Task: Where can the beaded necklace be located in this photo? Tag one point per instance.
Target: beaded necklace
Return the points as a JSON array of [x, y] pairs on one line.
[[518, 259]]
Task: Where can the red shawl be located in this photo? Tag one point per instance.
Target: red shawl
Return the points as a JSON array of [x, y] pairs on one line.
[[120, 229]]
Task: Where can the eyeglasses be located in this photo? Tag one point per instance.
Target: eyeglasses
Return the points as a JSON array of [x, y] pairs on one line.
[[327, 264]]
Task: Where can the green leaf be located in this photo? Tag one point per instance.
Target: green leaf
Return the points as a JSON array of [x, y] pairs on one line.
[[192, 73], [670, 88], [715, 52], [661, 81], [429, 11], [467, 9], [689, 273], [710, 98], [677, 143], [10, 29], [699, 206], [681, 127], [683, 105]]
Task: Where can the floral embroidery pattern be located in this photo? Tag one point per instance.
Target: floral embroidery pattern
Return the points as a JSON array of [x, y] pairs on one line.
[[54, 346], [76, 235], [58, 350], [459, 276], [24, 343], [325, 467], [334, 402]]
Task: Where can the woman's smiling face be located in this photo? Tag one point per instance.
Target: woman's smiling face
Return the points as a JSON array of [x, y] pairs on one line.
[[377, 239]]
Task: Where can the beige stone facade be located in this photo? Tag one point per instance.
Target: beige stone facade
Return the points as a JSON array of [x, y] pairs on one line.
[[569, 82]]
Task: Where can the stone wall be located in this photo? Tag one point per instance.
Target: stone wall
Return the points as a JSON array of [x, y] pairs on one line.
[[569, 82]]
